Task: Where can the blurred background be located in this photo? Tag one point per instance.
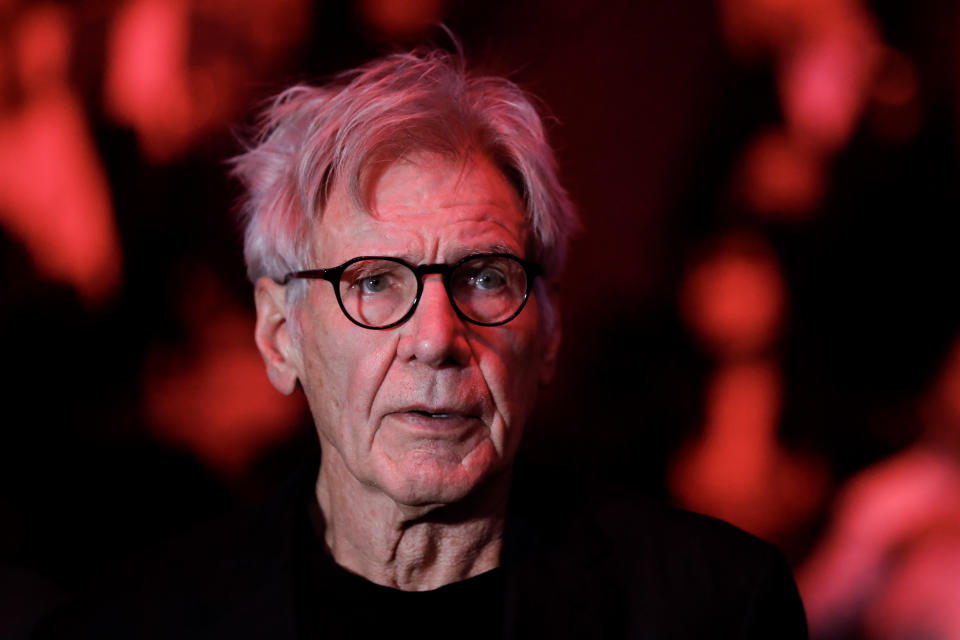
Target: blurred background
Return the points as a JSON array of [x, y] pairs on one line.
[[761, 315]]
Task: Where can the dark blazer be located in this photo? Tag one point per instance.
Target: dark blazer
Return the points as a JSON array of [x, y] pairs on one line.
[[580, 561]]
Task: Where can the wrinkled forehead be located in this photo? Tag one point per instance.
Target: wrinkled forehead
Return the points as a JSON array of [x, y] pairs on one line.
[[432, 202]]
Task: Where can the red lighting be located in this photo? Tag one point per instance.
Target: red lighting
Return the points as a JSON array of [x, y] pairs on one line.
[[734, 299], [54, 196], [144, 83], [781, 178], [401, 19], [211, 396], [737, 470]]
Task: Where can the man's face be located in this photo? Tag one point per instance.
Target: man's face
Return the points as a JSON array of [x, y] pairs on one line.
[[425, 411]]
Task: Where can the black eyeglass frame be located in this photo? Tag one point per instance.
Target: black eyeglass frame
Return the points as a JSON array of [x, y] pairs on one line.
[[333, 274]]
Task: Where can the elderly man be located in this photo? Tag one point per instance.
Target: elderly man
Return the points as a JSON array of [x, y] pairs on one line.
[[405, 231]]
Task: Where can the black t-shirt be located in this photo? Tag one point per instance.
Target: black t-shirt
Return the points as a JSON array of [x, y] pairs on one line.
[[581, 559], [331, 602]]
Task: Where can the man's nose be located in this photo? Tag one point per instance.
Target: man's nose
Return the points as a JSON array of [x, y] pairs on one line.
[[435, 334]]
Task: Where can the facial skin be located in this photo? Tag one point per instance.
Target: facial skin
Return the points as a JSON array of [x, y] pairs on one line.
[[366, 388]]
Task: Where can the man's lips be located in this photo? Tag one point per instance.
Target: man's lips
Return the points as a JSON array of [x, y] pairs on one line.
[[435, 414], [438, 417]]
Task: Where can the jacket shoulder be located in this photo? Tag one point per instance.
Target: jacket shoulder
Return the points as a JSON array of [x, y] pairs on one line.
[[652, 570]]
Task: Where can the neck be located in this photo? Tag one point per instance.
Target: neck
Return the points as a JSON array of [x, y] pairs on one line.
[[413, 548]]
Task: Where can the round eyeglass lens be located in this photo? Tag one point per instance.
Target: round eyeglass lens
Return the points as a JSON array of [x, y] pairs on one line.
[[489, 289], [377, 292]]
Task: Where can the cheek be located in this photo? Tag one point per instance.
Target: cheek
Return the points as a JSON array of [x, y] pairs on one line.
[[343, 370], [511, 368]]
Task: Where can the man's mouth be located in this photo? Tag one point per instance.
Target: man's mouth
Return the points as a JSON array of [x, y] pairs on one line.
[[440, 417], [429, 414]]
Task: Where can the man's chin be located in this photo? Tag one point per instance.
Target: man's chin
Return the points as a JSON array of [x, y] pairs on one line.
[[429, 481]]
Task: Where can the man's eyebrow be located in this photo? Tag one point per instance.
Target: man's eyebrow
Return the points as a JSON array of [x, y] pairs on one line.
[[497, 247]]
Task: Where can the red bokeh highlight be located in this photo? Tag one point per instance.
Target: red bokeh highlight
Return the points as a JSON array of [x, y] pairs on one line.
[[211, 396], [146, 85], [824, 85], [896, 81], [402, 20], [769, 27], [54, 196], [176, 72], [180, 70], [827, 55], [894, 113], [782, 177], [943, 406], [880, 516], [920, 598], [737, 470], [890, 558], [734, 298], [42, 43]]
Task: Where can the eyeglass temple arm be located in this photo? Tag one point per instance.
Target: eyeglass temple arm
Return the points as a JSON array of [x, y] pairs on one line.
[[312, 274]]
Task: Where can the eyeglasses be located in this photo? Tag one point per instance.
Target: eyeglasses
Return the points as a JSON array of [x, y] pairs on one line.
[[377, 292]]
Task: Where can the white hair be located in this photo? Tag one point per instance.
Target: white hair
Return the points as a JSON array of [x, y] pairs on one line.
[[314, 138]]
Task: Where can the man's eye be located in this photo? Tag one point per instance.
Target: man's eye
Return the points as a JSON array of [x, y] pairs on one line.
[[374, 284], [488, 279]]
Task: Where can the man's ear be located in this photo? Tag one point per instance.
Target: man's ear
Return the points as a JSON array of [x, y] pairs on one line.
[[273, 337], [552, 337]]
